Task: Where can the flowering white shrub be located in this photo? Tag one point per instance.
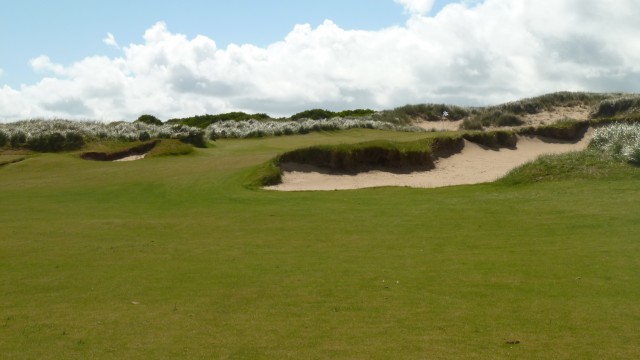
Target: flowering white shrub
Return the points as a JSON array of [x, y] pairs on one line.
[[30, 130], [620, 140], [254, 128]]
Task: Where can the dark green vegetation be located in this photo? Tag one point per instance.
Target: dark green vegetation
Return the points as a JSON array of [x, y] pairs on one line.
[[149, 119], [202, 121], [51, 142], [171, 257]]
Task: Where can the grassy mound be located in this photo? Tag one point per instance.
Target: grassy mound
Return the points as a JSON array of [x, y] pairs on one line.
[[574, 166]]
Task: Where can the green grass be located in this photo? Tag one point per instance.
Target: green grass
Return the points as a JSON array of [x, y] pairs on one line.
[[221, 271]]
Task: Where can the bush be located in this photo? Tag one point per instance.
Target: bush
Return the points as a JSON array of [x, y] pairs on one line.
[[314, 114], [149, 119], [144, 136], [4, 139], [618, 140], [355, 113], [472, 123], [54, 142], [203, 121], [18, 139], [73, 141]]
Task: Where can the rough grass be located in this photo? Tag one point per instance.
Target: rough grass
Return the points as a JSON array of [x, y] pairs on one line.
[[174, 258], [10, 159], [582, 165]]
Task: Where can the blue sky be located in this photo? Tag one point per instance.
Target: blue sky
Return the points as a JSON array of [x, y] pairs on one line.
[[176, 59], [69, 30]]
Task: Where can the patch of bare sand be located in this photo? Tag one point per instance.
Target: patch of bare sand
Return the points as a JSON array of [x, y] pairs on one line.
[[474, 164], [446, 125], [558, 113], [546, 117], [131, 158]]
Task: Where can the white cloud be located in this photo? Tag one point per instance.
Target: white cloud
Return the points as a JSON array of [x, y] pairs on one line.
[[43, 63], [469, 53], [110, 40], [416, 6]]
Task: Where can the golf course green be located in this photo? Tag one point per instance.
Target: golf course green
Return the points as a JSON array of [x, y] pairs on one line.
[[176, 257]]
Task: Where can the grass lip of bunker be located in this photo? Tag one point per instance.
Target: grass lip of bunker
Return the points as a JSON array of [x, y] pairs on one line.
[[119, 155]]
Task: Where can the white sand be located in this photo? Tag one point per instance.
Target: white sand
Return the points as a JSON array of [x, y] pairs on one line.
[[474, 164], [131, 158]]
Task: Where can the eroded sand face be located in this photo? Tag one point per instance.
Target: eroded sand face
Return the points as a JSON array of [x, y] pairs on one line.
[[474, 164]]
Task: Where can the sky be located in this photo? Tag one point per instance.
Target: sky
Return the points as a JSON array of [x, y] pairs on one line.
[[116, 60]]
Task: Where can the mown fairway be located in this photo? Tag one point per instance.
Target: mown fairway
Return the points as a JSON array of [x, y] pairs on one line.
[[173, 258]]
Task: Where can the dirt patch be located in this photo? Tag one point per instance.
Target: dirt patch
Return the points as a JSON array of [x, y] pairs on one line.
[[558, 113], [133, 153], [472, 165], [445, 125]]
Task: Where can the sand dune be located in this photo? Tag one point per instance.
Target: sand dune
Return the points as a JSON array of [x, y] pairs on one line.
[[474, 164]]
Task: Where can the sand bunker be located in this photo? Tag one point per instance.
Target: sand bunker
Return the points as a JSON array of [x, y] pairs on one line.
[[473, 165]]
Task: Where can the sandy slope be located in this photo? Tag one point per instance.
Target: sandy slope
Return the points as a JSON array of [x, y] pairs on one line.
[[474, 164], [543, 118]]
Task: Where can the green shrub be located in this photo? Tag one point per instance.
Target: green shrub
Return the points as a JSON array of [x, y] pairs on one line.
[[313, 114], [203, 121], [73, 141], [149, 119], [355, 113], [472, 123], [18, 140], [54, 142], [4, 139], [195, 138]]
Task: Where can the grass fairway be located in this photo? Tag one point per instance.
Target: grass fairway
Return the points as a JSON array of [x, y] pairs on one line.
[[171, 257]]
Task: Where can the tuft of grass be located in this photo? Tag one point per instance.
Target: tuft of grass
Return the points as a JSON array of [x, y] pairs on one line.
[[618, 106]]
